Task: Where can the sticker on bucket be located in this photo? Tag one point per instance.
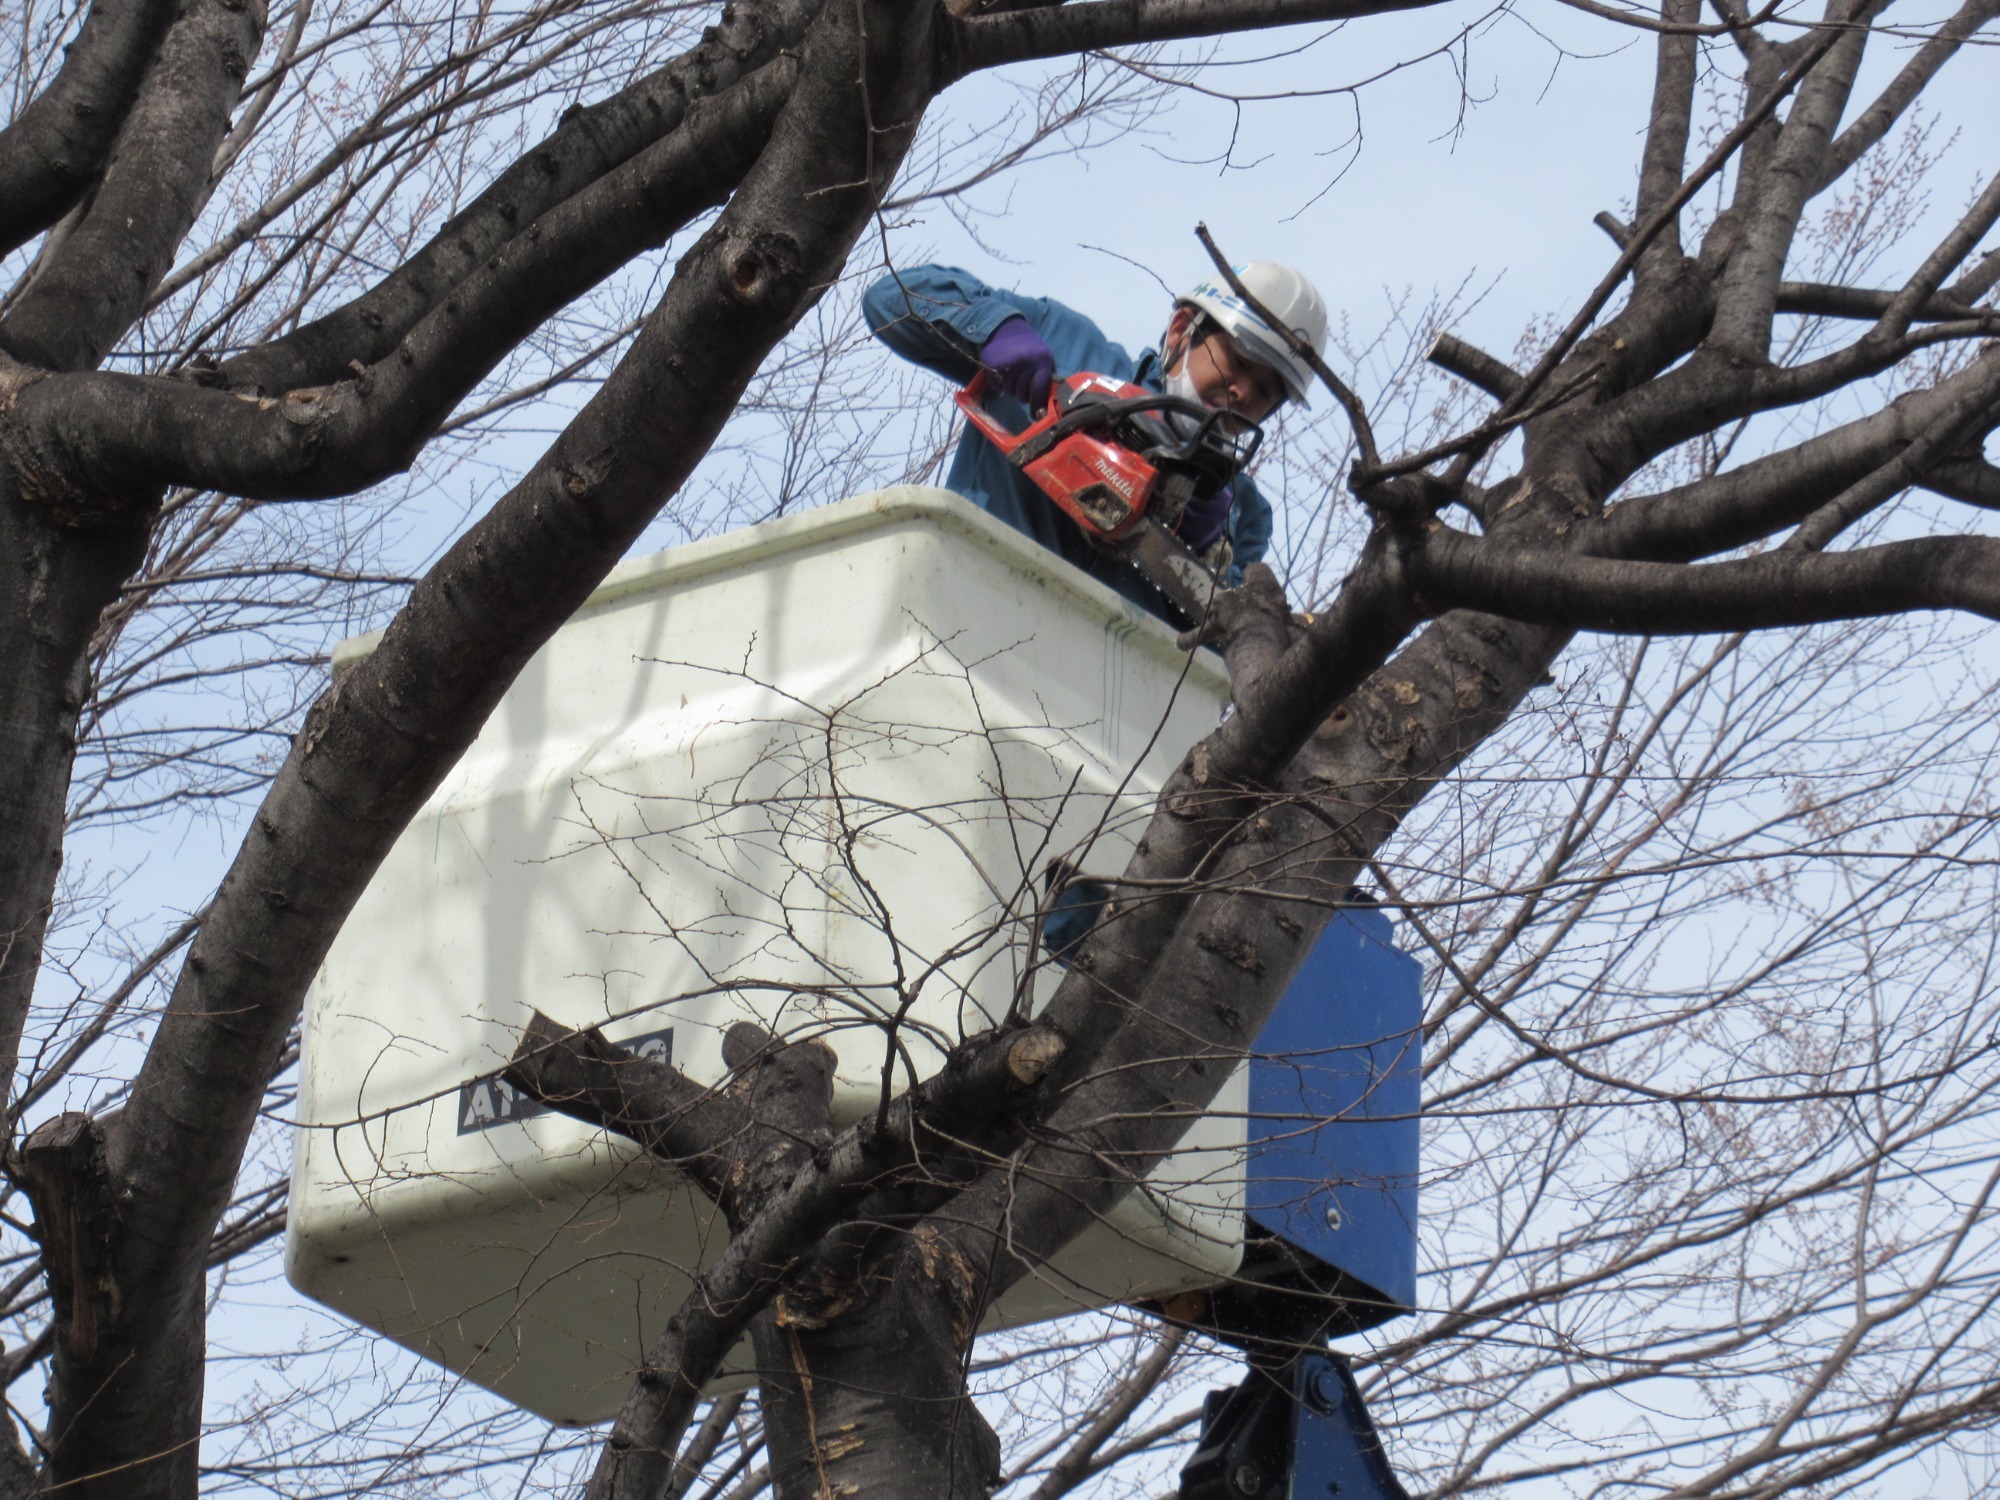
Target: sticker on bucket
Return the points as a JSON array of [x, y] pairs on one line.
[[486, 1102]]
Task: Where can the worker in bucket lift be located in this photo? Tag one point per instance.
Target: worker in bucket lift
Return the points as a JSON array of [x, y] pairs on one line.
[[1215, 351]]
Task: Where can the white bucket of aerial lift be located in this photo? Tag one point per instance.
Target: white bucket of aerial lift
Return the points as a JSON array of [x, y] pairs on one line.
[[809, 774]]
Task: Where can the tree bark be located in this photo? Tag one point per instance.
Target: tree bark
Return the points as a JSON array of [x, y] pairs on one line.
[[53, 585], [53, 152], [589, 144], [377, 743], [861, 1389], [97, 282], [134, 1351], [887, 1241]]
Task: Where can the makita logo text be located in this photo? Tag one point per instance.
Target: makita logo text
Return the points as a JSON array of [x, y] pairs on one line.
[[1116, 480]]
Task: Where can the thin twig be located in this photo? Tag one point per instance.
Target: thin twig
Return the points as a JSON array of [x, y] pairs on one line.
[[1357, 415]]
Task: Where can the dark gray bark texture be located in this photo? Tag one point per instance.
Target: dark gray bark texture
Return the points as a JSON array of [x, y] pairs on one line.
[[51, 155], [861, 1262], [52, 586]]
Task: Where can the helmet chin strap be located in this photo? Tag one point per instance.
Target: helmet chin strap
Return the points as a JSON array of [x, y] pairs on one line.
[[1176, 379], [1174, 353]]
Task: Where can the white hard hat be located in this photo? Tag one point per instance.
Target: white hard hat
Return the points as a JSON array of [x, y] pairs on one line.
[[1295, 301]]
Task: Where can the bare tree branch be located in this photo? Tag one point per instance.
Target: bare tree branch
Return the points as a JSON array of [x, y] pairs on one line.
[[51, 153], [89, 292], [1019, 35]]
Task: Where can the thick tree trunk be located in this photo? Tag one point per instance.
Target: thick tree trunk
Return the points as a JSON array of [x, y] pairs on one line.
[[863, 1392], [53, 585], [135, 1353]]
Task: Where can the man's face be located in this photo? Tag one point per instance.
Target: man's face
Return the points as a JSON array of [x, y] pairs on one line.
[[1224, 376]]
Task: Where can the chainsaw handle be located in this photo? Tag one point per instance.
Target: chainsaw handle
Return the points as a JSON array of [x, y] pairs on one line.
[[972, 401]]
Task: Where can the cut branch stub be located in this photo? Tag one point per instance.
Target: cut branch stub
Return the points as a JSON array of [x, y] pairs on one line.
[[588, 1078], [787, 1089], [1031, 1055], [1474, 366], [1251, 625], [63, 1162], [971, 1094]]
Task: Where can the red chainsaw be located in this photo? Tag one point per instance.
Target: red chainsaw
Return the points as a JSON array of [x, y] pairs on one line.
[[1125, 463]]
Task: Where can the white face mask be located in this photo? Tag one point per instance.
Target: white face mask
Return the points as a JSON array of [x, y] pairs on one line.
[[1179, 383]]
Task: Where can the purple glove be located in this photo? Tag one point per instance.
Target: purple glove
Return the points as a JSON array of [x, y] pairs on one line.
[[1205, 520], [1023, 366]]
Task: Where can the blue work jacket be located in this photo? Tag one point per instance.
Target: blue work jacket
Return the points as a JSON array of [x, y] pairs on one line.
[[940, 317]]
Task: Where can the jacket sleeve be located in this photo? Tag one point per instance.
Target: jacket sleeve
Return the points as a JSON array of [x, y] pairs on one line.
[[940, 317], [1249, 529]]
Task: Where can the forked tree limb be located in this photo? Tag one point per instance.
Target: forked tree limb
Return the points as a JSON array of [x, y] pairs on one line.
[[1468, 670], [584, 1076], [1285, 686], [89, 441], [707, 1131], [973, 1093], [585, 147], [54, 149], [382, 737], [1268, 892], [1140, 1007], [1759, 498], [88, 292], [1466, 449], [1770, 201], [1872, 125], [963, 1100], [1768, 389], [1949, 254]]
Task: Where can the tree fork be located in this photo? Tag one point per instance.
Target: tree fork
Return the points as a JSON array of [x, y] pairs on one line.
[[1241, 943], [587, 145], [983, 1080], [95, 435]]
